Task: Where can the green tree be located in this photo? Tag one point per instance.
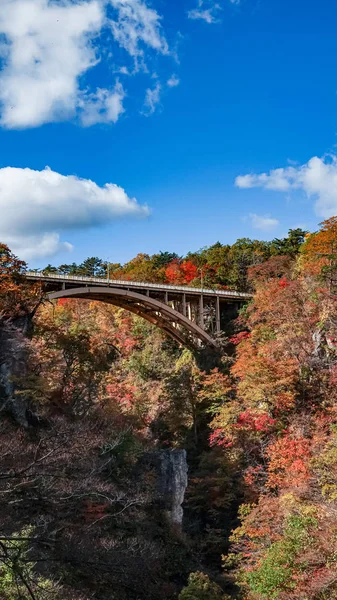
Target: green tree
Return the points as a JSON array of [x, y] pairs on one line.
[[163, 259], [72, 269], [93, 267], [244, 254], [291, 244], [49, 270], [18, 581], [200, 587]]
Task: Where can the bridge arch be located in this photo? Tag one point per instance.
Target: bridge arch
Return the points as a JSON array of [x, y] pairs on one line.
[[173, 323]]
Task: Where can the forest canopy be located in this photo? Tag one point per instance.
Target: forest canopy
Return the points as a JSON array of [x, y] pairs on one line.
[[91, 394], [218, 266]]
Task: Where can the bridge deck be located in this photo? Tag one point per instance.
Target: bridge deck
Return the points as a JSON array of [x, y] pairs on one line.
[[160, 287]]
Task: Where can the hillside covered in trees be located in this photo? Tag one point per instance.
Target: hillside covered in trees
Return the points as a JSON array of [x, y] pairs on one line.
[[219, 266], [91, 395]]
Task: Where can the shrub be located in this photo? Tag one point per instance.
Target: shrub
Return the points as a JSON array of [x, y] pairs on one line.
[[200, 587]]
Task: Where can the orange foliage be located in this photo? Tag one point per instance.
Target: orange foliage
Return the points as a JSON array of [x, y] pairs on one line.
[[17, 298], [266, 374], [320, 250], [288, 462]]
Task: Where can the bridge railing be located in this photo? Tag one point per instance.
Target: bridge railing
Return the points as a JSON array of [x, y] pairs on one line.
[[138, 284]]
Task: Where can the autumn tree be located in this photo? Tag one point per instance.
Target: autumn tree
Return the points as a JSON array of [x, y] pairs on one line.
[[320, 251], [281, 425], [181, 272], [77, 343], [17, 297]]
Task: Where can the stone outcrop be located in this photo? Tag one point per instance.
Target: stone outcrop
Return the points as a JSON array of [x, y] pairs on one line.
[[170, 471], [13, 367]]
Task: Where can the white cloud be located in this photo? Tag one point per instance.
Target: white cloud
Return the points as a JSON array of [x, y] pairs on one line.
[[152, 99], [33, 247], [264, 222], [103, 106], [46, 47], [135, 26], [37, 206], [317, 179], [173, 81], [275, 180], [206, 10]]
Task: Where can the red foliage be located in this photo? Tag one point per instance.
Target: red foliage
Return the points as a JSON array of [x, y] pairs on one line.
[[253, 475], [63, 301], [181, 272], [274, 267], [283, 283], [239, 337], [217, 438], [261, 422], [121, 392], [189, 270]]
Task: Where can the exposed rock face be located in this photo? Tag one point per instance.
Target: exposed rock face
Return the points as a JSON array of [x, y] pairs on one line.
[[13, 365], [173, 482], [170, 468]]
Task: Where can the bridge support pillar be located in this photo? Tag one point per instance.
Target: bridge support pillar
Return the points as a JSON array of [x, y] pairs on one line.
[[184, 305], [201, 311], [217, 315], [166, 297]]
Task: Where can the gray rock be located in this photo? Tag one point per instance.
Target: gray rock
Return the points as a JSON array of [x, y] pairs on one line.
[[13, 366], [170, 468]]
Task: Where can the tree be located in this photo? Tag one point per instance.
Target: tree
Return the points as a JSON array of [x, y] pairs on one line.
[[49, 270], [72, 269], [274, 267], [17, 577], [200, 587], [93, 267], [244, 254], [142, 268], [181, 272], [290, 245], [320, 251], [163, 259], [77, 344], [18, 298]]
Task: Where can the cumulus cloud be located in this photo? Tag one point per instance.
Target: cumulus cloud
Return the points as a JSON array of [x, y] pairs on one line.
[[264, 222], [34, 247], [317, 179], [152, 99], [47, 47], [37, 206]]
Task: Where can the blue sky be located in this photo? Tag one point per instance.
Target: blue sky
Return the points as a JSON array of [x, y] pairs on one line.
[[220, 117]]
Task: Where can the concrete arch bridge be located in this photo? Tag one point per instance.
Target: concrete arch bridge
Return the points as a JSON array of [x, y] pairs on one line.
[[193, 317]]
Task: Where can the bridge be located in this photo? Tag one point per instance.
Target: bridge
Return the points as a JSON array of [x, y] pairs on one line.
[[192, 316]]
